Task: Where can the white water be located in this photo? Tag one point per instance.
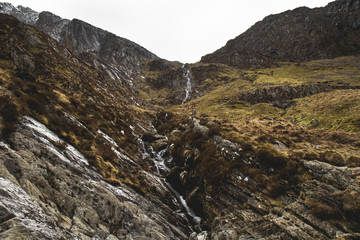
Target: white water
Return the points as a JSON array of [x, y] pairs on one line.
[[188, 85], [157, 158], [159, 162], [183, 203]]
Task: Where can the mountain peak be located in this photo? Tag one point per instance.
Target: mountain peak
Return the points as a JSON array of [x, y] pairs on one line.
[[299, 35], [24, 14]]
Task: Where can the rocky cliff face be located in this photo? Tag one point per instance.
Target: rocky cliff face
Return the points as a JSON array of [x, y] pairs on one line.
[[299, 35]]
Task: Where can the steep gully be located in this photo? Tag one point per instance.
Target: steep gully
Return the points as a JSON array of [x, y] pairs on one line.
[[160, 160]]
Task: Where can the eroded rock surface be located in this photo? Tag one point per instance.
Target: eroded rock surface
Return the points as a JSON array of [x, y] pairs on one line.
[[51, 193]]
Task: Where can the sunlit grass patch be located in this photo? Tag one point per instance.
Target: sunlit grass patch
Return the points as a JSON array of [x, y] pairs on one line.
[[336, 110]]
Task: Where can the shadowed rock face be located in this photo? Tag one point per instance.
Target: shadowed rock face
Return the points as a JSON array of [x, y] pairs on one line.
[[298, 35], [82, 37]]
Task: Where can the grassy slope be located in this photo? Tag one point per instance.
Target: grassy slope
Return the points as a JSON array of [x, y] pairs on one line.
[[71, 86], [259, 128], [222, 103], [263, 123]]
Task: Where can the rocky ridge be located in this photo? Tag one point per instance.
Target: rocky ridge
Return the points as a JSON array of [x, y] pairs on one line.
[[302, 34], [119, 57]]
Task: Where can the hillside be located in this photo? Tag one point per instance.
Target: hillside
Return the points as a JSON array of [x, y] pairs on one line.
[[71, 162], [120, 58], [302, 34], [164, 150]]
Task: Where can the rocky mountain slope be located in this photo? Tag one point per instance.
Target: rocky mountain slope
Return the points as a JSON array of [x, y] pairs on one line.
[[170, 150], [302, 34], [72, 162], [119, 57]]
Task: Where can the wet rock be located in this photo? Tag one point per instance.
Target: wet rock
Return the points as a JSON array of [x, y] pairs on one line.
[[199, 236], [64, 198]]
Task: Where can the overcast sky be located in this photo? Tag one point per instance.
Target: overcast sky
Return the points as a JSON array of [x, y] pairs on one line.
[[182, 30]]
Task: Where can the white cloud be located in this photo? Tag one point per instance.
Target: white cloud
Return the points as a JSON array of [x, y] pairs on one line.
[[181, 30]]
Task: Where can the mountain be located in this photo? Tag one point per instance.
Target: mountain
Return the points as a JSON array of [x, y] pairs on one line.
[[166, 150], [119, 57], [302, 34], [72, 165]]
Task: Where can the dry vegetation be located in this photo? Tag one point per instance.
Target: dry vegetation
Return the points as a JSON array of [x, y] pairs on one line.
[[72, 99], [323, 126]]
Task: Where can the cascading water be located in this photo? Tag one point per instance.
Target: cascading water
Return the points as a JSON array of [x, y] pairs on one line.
[[182, 201], [160, 165], [156, 157], [187, 76]]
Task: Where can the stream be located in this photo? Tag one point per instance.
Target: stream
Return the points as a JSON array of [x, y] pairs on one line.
[[160, 165]]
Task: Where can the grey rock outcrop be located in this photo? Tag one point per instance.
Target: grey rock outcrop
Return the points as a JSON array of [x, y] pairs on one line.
[[314, 209], [282, 96], [24, 14]]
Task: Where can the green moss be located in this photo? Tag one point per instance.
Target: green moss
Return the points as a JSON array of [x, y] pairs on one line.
[[339, 69], [144, 96], [336, 110]]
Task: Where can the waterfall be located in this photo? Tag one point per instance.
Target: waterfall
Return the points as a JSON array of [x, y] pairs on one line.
[[187, 76], [183, 203]]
